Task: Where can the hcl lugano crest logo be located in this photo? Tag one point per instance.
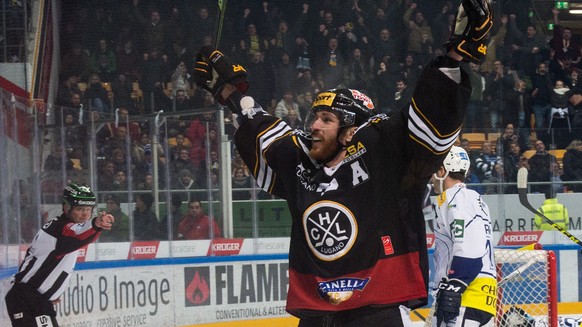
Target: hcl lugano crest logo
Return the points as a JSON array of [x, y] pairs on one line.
[[330, 229]]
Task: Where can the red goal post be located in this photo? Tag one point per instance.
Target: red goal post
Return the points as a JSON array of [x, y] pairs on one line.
[[527, 293]]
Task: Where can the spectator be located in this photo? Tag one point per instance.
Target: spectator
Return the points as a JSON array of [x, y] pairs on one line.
[[562, 43], [126, 58], [573, 79], [519, 112], [146, 167], [285, 37], [67, 88], [170, 223], [474, 116], [124, 122], [182, 162], [541, 96], [77, 62], [304, 101], [555, 211], [385, 82], [103, 61], [486, 161], [186, 184], [442, 25], [180, 79], [145, 182], [122, 89], [403, 94], [237, 162], [497, 83], [96, 95], [176, 149], [530, 49], [410, 70], [497, 49], [106, 179], [573, 165], [182, 102], [384, 45], [196, 225], [153, 29], [286, 104], [328, 29], [556, 178], [241, 181], [358, 73], [121, 231], [119, 158], [419, 31], [507, 137], [512, 161], [559, 124], [145, 223], [261, 75], [292, 119], [496, 180], [284, 75], [154, 68], [560, 68], [251, 43], [378, 22], [539, 165], [58, 160], [331, 65], [196, 29], [120, 182]]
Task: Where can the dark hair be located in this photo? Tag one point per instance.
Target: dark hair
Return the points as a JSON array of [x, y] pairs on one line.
[[176, 199], [147, 199], [114, 198]]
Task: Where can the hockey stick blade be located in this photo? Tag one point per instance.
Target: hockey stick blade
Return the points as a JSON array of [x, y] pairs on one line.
[[522, 192]]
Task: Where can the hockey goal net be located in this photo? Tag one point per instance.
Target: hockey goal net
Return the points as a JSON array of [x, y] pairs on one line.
[[527, 289]]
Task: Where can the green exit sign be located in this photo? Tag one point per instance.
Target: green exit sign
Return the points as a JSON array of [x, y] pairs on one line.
[[562, 5]]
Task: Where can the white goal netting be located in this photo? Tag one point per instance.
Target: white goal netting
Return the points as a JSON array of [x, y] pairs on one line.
[[527, 295]]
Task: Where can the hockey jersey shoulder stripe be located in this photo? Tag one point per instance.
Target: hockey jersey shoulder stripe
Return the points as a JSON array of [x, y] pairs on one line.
[[262, 172], [425, 133]]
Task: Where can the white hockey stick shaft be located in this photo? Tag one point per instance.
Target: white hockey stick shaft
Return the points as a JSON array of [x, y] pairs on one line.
[[520, 270]]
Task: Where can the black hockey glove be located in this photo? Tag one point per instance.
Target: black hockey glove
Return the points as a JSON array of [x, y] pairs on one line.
[[472, 24], [449, 299], [213, 69]]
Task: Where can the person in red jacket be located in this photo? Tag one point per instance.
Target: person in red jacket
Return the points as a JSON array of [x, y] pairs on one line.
[[196, 225]]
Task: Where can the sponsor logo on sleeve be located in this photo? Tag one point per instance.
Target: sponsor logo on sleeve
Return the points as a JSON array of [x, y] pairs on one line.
[[387, 244], [458, 228]]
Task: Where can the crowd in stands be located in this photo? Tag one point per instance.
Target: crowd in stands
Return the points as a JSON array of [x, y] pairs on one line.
[[133, 58]]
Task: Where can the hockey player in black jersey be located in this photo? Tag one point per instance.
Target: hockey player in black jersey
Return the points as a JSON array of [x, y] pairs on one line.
[[355, 182], [44, 274]]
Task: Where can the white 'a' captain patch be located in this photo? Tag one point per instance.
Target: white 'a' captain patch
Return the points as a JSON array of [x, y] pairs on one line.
[[330, 229]]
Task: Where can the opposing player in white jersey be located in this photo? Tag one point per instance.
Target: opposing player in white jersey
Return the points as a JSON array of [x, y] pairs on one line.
[[464, 281]]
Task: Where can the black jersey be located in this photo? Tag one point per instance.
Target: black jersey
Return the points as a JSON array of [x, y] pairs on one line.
[[358, 236], [51, 258]]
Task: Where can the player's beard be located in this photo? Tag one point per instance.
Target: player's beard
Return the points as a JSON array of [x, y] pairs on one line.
[[322, 150]]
